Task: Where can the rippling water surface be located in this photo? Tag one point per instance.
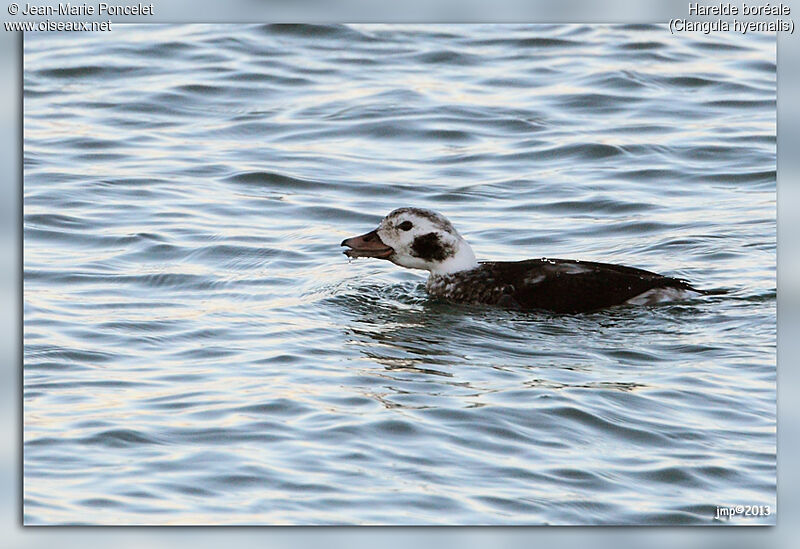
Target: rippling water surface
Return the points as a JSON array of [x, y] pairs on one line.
[[198, 350]]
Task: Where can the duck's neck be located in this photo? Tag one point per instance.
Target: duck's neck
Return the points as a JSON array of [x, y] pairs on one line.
[[462, 260]]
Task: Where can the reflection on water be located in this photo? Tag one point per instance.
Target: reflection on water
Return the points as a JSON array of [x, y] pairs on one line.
[[198, 350]]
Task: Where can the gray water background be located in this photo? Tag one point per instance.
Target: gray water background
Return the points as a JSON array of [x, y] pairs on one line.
[[197, 350]]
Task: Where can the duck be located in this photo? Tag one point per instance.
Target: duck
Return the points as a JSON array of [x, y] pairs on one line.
[[417, 238]]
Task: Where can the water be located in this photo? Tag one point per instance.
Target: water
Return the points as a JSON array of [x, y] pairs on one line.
[[198, 350]]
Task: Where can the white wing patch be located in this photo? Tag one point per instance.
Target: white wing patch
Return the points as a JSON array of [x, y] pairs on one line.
[[535, 279], [572, 269], [661, 295], [554, 269]]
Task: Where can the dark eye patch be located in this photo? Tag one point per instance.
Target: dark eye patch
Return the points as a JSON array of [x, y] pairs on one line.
[[406, 225]]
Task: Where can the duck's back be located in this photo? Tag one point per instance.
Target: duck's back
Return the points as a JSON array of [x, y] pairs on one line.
[[559, 285]]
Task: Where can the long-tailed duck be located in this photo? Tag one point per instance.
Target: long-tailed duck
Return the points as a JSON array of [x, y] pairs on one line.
[[422, 239]]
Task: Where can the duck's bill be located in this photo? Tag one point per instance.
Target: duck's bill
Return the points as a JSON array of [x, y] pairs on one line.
[[367, 245]]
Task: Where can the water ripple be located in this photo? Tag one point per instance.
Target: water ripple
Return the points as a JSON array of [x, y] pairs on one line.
[[198, 350]]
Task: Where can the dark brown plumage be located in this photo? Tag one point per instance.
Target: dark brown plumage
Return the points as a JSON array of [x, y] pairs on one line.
[[558, 285]]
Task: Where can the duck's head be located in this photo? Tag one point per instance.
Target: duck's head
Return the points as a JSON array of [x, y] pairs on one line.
[[416, 239]]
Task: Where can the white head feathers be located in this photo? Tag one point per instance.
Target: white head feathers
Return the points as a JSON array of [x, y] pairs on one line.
[[419, 239]]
